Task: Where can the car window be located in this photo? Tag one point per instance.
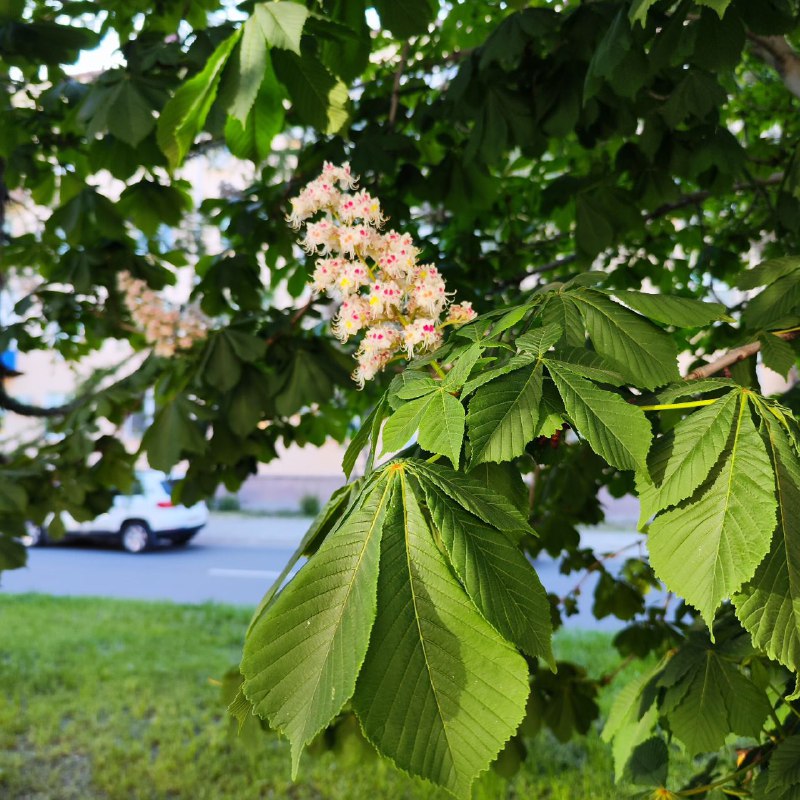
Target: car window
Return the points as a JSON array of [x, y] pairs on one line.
[[136, 487], [167, 486]]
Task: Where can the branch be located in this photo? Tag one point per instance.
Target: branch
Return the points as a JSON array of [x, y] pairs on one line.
[[777, 53], [396, 85], [734, 357], [8, 403]]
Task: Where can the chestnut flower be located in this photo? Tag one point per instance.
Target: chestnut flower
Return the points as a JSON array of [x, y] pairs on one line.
[[396, 302]]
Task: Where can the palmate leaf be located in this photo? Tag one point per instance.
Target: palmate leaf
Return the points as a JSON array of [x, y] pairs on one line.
[[497, 576], [503, 415], [634, 346], [682, 459], [440, 691], [705, 549], [769, 605], [706, 697], [303, 654], [617, 431]]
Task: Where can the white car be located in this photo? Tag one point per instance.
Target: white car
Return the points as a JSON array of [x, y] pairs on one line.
[[137, 519]]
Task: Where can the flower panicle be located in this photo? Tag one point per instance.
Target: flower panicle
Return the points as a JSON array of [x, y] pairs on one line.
[[385, 292], [165, 327]]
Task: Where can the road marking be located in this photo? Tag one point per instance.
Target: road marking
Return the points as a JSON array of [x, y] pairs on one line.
[[219, 572]]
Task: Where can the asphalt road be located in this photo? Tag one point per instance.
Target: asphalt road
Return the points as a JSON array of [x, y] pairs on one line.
[[234, 559]]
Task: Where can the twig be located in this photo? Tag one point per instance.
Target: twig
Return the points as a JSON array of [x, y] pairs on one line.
[[734, 357], [599, 564]]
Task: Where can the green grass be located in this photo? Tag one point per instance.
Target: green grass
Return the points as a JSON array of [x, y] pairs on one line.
[[115, 700]]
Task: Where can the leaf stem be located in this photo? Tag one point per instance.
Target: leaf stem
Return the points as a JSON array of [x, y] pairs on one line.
[[432, 459], [438, 369], [721, 782], [687, 404]]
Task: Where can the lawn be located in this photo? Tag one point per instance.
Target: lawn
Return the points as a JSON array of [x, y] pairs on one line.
[[119, 700]]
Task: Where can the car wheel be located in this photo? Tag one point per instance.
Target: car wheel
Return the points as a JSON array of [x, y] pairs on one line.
[[34, 536], [136, 537]]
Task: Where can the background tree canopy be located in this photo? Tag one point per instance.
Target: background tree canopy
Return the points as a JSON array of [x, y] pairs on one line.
[[522, 144]]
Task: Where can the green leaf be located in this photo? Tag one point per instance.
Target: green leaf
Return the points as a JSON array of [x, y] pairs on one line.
[[487, 505], [222, 367], [683, 458], [13, 498], [303, 655], [634, 346], [497, 576], [768, 272], [514, 363], [462, 366], [366, 434], [173, 434], [720, 6], [561, 311], [617, 431], [586, 363], [13, 554], [120, 104], [404, 423], [281, 23], [683, 312], [540, 340], [184, 115], [406, 18], [440, 691], [344, 500], [628, 724], [305, 382], [649, 762], [503, 416], [638, 11], [707, 548], [504, 479], [319, 98], [777, 354], [769, 605], [776, 306], [707, 697], [784, 765], [349, 56], [441, 429], [252, 66], [249, 401]]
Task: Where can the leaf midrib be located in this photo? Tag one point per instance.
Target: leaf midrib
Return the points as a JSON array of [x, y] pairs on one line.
[[337, 624], [729, 487], [428, 668]]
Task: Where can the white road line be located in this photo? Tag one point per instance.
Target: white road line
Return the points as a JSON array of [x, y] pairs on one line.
[[219, 572]]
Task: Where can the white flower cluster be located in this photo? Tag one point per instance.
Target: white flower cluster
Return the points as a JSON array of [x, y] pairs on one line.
[[164, 326], [385, 292]]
